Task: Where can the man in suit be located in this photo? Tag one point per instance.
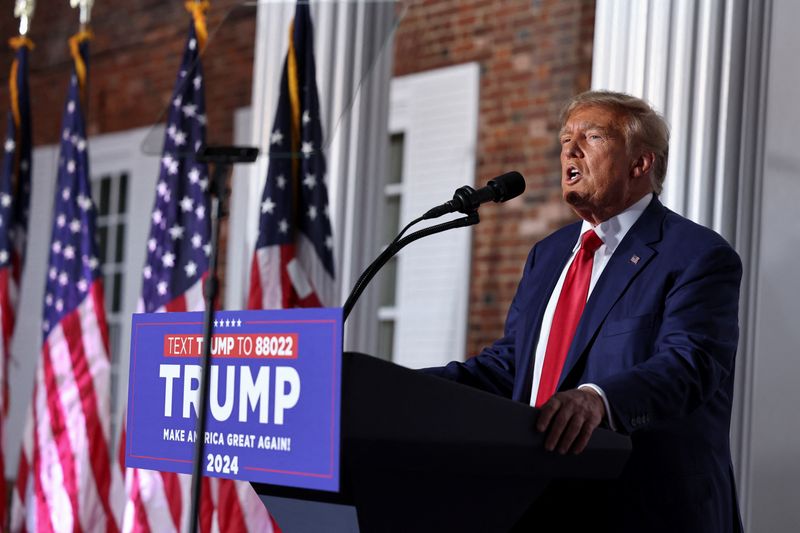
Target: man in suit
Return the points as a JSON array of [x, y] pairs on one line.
[[628, 318]]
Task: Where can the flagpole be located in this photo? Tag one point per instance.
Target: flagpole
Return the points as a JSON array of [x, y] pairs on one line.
[[223, 158]]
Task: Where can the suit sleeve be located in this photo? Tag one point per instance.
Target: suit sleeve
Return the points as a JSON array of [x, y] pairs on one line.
[[493, 369], [694, 350]]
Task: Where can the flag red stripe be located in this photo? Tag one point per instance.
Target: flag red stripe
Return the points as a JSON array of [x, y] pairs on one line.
[[255, 297], [229, 508], [97, 293], [288, 295], [178, 305], [98, 447], [140, 522], [172, 488], [43, 523], [206, 505], [61, 436]]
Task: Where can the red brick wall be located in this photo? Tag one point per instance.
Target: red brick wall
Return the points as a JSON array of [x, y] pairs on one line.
[[534, 55]]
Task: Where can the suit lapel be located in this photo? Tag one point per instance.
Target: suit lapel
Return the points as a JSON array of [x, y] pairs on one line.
[[631, 257]]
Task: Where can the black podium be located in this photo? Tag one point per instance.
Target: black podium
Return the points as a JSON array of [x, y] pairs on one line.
[[420, 453]]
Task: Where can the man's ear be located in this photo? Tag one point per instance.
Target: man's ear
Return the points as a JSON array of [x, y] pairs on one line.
[[641, 166]]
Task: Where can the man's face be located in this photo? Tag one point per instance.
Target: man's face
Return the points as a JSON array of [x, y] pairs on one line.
[[596, 168]]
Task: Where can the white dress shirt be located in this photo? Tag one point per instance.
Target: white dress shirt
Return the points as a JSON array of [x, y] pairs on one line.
[[611, 232]]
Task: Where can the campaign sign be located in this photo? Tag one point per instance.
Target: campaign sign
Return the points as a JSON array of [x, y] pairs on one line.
[[273, 402]]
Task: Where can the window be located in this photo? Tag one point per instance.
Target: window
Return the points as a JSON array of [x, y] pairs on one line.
[[392, 197], [110, 194]]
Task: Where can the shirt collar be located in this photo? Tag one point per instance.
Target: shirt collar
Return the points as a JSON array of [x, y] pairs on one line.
[[613, 230]]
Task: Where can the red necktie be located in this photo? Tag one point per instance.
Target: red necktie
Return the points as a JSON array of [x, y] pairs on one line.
[[569, 308]]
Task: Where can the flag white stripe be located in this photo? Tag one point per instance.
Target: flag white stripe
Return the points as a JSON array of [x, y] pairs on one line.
[[322, 282], [194, 297], [256, 517], [269, 264]]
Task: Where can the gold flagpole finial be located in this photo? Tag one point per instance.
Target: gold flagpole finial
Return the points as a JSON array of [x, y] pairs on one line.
[[23, 10], [86, 10]]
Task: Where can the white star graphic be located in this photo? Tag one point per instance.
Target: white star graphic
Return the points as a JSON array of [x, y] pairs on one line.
[[148, 272], [10, 145], [198, 80], [178, 101], [5, 199], [276, 138], [83, 285], [187, 203], [157, 216], [93, 263], [176, 232], [168, 260], [81, 145], [267, 206], [312, 212], [162, 288], [306, 117], [3, 257], [48, 299], [310, 181], [307, 149], [69, 252], [207, 249], [197, 240], [189, 110], [239, 322], [84, 202], [180, 138], [65, 194], [192, 44], [52, 273], [281, 181], [75, 225], [152, 244], [200, 212], [167, 160], [162, 188], [190, 268], [71, 166], [56, 247], [283, 226], [71, 106], [216, 323], [63, 279], [65, 134], [59, 305], [173, 168], [204, 184], [194, 175]]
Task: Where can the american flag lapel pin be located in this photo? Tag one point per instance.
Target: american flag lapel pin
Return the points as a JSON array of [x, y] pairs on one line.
[[635, 259]]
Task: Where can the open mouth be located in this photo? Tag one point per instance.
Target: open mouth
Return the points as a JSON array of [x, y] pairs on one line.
[[573, 174]]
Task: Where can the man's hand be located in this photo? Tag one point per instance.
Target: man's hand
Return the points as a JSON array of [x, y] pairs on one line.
[[569, 418]]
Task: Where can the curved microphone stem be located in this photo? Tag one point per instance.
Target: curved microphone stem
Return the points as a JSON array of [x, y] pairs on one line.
[[470, 220]]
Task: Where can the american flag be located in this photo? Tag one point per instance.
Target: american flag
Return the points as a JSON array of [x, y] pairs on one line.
[[15, 191], [293, 261], [65, 472], [178, 252]]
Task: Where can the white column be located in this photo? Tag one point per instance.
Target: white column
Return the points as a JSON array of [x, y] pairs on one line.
[[702, 64]]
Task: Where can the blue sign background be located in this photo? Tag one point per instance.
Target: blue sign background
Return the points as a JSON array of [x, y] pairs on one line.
[[312, 425]]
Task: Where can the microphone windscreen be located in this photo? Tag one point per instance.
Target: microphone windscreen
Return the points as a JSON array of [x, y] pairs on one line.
[[508, 185]]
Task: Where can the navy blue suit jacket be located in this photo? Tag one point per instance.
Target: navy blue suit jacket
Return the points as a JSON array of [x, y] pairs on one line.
[[659, 336]]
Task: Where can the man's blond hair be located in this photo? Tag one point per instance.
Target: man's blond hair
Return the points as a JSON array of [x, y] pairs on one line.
[[645, 130]]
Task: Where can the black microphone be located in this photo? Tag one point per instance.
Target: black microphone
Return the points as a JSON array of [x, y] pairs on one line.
[[466, 199]]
